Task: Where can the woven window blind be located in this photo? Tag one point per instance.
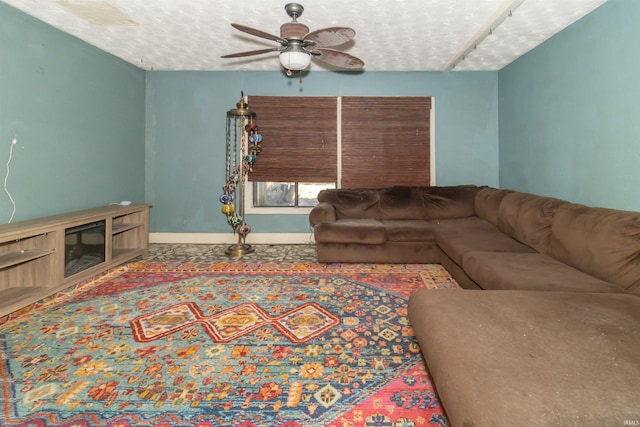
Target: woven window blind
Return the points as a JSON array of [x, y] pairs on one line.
[[385, 141], [299, 139]]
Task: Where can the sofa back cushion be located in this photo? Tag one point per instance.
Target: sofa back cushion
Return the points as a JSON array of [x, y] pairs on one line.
[[352, 204], [487, 202], [450, 202], [402, 202], [427, 202], [527, 218], [602, 242]]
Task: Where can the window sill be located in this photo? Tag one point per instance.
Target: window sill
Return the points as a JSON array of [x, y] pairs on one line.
[[288, 210]]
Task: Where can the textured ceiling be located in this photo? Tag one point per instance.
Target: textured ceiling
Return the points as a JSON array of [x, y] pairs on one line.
[[402, 35]]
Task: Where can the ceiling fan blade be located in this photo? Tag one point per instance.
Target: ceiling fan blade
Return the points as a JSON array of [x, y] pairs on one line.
[[337, 58], [333, 36], [251, 52], [259, 33]]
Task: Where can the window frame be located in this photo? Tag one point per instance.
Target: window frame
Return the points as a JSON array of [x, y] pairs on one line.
[[269, 210]]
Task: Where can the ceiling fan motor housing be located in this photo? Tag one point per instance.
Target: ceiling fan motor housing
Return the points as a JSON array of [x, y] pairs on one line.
[[293, 56], [293, 30]]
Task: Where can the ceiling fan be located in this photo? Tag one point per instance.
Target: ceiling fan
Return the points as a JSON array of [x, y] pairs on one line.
[[298, 45]]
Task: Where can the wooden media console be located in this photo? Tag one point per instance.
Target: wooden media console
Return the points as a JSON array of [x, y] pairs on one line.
[[43, 256]]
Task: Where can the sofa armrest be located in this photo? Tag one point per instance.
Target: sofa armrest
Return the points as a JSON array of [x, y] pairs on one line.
[[322, 212]]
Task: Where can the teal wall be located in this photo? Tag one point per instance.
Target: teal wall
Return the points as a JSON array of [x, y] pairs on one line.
[[570, 112], [567, 123], [79, 117], [186, 113]]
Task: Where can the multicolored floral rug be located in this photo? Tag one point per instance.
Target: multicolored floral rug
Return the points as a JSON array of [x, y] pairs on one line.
[[223, 344]]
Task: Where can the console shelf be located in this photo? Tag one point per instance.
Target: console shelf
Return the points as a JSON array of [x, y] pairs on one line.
[[34, 253], [120, 228], [13, 258], [123, 253]]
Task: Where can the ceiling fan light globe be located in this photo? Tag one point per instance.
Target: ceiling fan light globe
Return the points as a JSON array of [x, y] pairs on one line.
[[295, 61]]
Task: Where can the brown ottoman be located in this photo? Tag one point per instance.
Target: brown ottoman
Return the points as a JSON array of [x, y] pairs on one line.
[[531, 358]]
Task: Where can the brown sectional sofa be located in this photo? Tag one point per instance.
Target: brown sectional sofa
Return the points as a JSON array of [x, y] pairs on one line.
[[554, 340]]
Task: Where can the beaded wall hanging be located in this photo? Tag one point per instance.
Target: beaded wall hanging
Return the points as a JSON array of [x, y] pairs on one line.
[[243, 147]]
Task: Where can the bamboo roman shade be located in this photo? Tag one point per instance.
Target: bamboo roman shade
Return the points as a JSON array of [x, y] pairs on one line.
[[385, 141], [299, 139]]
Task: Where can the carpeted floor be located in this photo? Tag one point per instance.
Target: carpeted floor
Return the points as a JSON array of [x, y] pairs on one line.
[[219, 342], [262, 253]]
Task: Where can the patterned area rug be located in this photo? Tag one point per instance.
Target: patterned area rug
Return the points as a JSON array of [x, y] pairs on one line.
[[225, 344]]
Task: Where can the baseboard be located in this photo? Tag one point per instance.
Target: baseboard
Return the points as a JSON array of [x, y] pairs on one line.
[[230, 238]]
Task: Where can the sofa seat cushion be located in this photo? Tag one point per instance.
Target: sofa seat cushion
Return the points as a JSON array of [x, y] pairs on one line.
[[529, 271], [526, 358], [456, 237], [368, 231], [409, 230]]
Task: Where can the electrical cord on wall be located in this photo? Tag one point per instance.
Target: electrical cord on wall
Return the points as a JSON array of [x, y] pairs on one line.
[[311, 240], [14, 141]]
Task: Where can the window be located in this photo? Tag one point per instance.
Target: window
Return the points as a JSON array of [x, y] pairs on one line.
[[287, 194], [380, 142]]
